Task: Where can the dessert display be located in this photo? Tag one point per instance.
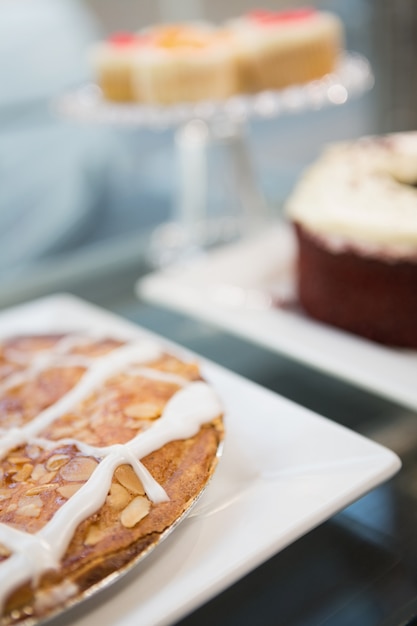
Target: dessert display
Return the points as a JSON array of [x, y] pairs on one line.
[[276, 49], [191, 62], [355, 218], [105, 444], [185, 63], [113, 61]]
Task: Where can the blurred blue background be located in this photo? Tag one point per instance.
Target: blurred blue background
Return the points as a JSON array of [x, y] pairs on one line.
[[79, 199]]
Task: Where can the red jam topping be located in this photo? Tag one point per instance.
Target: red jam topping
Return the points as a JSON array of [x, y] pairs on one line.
[[123, 39], [278, 17]]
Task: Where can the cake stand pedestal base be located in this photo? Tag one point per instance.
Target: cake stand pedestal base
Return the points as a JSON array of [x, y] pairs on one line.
[[199, 223]]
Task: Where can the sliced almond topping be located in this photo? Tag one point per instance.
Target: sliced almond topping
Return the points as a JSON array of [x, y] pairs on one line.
[[25, 500], [14, 418], [29, 510], [5, 494], [18, 460], [34, 491], [118, 497], [11, 470], [24, 473], [127, 477], [143, 410], [95, 534], [33, 451], [67, 491], [46, 478], [78, 469], [38, 471], [28, 610], [60, 432], [135, 511], [56, 461], [4, 552], [84, 435], [29, 506]]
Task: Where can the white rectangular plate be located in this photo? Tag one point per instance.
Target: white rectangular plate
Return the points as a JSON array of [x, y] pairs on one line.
[[232, 288], [284, 470]]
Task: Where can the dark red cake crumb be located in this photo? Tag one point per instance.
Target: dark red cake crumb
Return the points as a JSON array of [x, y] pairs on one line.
[[366, 296]]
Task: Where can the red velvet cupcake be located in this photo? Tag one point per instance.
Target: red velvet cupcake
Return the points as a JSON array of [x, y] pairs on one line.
[[355, 219]]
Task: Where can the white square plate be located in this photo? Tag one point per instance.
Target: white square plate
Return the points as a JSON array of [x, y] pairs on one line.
[[284, 470], [232, 288]]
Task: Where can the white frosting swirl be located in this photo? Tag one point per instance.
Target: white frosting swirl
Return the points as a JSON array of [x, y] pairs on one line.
[[361, 194]]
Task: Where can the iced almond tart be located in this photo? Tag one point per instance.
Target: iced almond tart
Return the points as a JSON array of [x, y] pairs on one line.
[[105, 444]]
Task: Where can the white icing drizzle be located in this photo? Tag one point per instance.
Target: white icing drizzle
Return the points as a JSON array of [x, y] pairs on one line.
[[40, 364], [44, 359], [62, 347], [152, 488], [148, 372], [184, 414], [101, 370]]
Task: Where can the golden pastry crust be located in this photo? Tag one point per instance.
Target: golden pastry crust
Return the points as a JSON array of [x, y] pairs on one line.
[[39, 476]]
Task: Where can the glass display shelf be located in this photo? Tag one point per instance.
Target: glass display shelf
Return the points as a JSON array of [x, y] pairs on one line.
[[352, 76]]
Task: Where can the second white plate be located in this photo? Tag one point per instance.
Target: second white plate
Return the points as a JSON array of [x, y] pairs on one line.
[[232, 288]]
